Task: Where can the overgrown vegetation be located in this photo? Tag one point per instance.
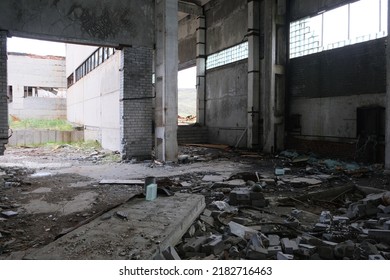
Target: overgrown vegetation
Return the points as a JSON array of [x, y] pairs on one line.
[[60, 125]]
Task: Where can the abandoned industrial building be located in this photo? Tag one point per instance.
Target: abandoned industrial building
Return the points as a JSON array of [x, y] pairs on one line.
[[287, 158]]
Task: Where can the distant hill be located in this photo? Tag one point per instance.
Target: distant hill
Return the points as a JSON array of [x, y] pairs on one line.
[[187, 101]]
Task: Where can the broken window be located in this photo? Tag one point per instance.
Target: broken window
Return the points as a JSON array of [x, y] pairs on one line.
[[357, 22], [230, 55]]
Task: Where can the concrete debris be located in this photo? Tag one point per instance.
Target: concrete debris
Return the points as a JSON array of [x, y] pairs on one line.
[[9, 214]]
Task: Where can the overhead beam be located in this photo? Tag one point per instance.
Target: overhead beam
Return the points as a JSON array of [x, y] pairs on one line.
[[112, 23], [190, 8]]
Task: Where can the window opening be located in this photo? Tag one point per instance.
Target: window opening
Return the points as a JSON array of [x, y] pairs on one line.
[[349, 24], [230, 55]]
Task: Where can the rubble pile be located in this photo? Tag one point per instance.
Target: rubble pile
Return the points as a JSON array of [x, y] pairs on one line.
[[315, 211]]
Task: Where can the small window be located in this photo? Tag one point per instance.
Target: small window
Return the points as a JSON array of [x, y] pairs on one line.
[[230, 55], [9, 94], [30, 92]]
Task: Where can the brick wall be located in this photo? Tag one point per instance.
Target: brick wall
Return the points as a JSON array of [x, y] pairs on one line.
[[136, 102], [3, 92]]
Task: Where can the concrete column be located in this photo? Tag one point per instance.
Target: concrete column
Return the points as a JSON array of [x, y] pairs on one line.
[[3, 92], [136, 97], [272, 89], [253, 135], [166, 63], [201, 70], [387, 139]]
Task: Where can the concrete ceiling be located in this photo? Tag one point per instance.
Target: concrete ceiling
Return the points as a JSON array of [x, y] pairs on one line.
[[201, 3]]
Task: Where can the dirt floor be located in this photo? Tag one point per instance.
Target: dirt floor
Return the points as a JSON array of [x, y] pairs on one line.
[[47, 191]]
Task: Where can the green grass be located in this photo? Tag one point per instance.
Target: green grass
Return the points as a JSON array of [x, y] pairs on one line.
[[61, 125]]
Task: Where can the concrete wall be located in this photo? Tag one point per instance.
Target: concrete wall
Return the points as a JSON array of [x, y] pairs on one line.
[[93, 101], [115, 22], [187, 41], [226, 103], [36, 137], [226, 86], [40, 108], [226, 24], [36, 71], [326, 88], [3, 92], [28, 70], [303, 8]]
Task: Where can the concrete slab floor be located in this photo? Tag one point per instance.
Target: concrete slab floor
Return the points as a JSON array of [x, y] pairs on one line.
[[138, 229]]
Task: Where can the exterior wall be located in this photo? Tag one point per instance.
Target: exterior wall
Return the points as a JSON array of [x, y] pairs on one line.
[[3, 92], [40, 108], [76, 54], [136, 110], [226, 103], [93, 101], [226, 86], [41, 72]]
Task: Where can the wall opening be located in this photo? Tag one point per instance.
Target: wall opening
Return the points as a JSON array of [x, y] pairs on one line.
[[353, 23], [187, 96], [370, 130]]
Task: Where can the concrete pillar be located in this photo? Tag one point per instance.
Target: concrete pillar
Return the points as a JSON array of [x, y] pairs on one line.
[[166, 64], [387, 139], [136, 97], [272, 73], [3, 92], [201, 70], [253, 110]]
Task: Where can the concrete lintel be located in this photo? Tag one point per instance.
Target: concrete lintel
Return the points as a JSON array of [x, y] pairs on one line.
[[119, 22], [143, 229], [190, 8]]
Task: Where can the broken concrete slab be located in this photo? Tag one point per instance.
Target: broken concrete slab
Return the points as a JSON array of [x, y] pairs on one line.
[[151, 228], [241, 231], [282, 256]]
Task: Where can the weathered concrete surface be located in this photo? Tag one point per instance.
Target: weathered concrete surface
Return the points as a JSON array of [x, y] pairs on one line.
[[150, 227], [304, 8], [116, 22], [34, 137]]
